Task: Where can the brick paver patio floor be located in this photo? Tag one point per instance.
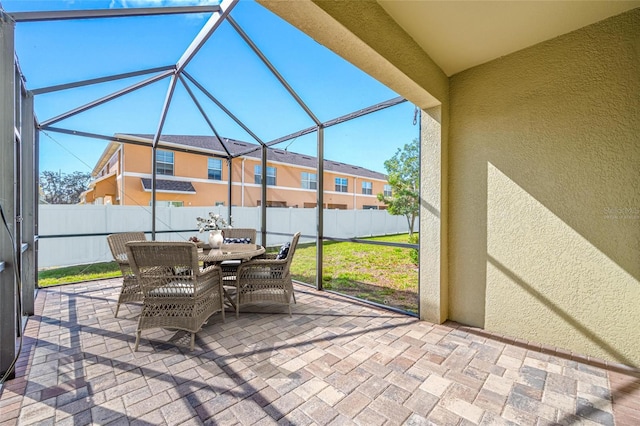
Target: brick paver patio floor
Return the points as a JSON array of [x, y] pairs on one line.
[[334, 362]]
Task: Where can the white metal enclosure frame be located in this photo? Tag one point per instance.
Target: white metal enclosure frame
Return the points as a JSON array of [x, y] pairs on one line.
[[19, 144]]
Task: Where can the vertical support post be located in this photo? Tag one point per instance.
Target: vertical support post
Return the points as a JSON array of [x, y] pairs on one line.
[[320, 208], [433, 289], [17, 192], [156, 140], [263, 205], [17, 189], [36, 202], [229, 195], [29, 204], [8, 293]]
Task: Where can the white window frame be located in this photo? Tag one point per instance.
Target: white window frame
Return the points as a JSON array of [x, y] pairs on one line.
[[211, 163], [162, 163], [309, 180], [271, 175], [342, 184], [367, 187]]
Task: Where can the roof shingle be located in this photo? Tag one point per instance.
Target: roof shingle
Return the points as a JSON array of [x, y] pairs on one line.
[[235, 147], [168, 185]]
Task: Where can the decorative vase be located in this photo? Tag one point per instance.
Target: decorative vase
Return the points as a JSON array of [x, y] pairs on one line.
[[216, 238]]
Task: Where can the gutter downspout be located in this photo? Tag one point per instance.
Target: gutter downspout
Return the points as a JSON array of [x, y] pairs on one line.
[[355, 203], [121, 172], [242, 182], [230, 187]]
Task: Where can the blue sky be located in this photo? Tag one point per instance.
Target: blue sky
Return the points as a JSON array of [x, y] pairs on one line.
[[65, 51]]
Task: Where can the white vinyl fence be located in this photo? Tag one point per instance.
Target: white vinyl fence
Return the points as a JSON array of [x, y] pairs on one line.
[[59, 220]]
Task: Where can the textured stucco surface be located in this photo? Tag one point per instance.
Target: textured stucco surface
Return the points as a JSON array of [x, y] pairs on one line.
[[538, 233], [544, 233], [433, 291]]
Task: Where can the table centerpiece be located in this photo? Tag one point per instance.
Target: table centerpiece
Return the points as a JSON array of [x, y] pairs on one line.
[[215, 224]]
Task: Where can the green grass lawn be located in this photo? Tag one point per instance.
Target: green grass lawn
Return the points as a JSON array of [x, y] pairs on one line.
[[380, 274], [72, 274]]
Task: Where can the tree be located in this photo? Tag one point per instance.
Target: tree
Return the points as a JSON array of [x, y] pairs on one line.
[[403, 171], [62, 188]]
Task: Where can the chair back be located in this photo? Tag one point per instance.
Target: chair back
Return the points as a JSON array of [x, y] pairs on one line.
[[292, 250], [267, 279], [177, 295], [117, 244], [157, 259], [234, 233], [131, 290]]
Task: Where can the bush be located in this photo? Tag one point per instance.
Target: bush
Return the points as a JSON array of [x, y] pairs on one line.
[[413, 253]]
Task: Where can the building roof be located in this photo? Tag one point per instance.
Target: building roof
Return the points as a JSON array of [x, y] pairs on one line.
[[235, 147], [168, 185]]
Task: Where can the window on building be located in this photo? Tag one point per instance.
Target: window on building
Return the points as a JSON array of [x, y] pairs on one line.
[[309, 180], [341, 185], [366, 207], [387, 191], [164, 162], [214, 169], [366, 188], [271, 175], [113, 162]]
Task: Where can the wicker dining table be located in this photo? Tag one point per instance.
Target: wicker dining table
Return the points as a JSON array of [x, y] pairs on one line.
[[229, 256], [230, 252]]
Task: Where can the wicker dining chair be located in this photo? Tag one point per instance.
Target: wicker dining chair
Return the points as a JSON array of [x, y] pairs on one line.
[[248, 235], [181, 302], [130, 291], [267, 279], [230, 267]]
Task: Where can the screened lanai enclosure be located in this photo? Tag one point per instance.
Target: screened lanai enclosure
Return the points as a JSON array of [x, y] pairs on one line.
[[286, 135]]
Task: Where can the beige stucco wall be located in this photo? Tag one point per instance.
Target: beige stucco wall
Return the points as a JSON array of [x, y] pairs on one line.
[[194, 168], [545, 192], [532, 227]]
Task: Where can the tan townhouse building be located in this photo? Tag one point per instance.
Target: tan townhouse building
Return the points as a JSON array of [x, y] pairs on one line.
[[200, 177]]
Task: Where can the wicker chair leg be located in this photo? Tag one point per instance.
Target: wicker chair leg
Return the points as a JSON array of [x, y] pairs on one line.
[[117, 309], [135, 349], [294, 297], [228, 299]]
